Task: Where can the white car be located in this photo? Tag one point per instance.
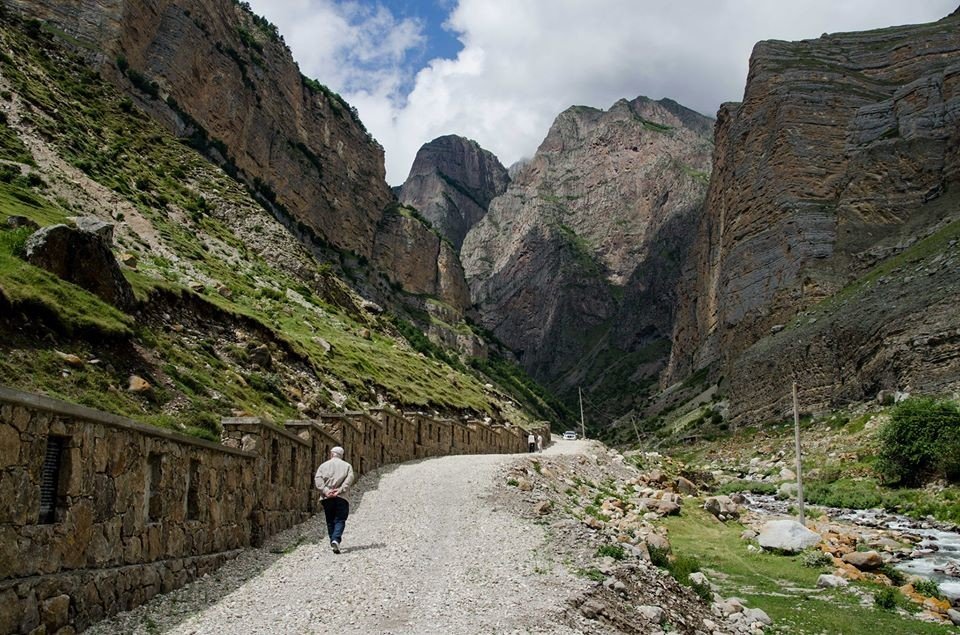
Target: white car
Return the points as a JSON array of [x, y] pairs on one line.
[[569, 435]]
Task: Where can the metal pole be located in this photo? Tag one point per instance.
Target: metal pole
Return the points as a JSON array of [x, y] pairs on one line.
[[583, 428], [633, 419], [796, 440]]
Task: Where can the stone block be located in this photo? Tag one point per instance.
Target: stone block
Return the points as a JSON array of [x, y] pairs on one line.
[[9, 446], [10, 611], [54, 612]]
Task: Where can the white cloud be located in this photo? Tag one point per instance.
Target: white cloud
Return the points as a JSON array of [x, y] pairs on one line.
[[524, 62]]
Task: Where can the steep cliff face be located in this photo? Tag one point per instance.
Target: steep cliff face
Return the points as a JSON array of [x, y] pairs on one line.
[[840, 156], [211, 71], [574, 267], [451, 184]]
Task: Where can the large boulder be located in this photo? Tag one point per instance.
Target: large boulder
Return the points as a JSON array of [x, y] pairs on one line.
[[786, 535], [83, 258], [864, 560], [722, 507]]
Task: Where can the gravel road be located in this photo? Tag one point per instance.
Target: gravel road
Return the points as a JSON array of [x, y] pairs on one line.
[[426, 550]]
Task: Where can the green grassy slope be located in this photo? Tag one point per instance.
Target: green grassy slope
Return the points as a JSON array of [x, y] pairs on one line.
[[218, 280]]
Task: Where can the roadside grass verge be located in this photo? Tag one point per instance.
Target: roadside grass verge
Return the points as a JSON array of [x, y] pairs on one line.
[[780, 585]]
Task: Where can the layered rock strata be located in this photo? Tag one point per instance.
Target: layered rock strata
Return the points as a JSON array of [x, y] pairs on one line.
[[840, 156], [575, 266], [222, 78], [451, 183]]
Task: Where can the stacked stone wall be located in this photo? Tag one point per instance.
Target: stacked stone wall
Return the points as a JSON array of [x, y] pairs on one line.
[[98, 513]]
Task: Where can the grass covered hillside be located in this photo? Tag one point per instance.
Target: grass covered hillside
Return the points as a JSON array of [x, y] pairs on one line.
[[232, 315]]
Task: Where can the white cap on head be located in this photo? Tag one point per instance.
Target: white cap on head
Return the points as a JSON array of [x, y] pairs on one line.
[[337, 451]]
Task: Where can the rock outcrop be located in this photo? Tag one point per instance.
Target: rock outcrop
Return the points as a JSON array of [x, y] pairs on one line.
[[224, 80], [575, 266], [842, 155], [451, 183], [82, 257]]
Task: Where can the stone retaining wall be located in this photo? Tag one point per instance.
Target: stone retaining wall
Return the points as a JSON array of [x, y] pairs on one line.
[[126, 510]]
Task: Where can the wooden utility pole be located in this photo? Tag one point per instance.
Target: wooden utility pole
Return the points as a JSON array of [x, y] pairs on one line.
[[583, 428], [796, 441]]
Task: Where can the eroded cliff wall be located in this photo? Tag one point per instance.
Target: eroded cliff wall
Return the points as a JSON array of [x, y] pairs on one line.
[[575, 266], [843, 153], [213, 72]]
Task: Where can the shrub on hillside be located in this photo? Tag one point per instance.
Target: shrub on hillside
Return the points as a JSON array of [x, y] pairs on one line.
[[921, 441]]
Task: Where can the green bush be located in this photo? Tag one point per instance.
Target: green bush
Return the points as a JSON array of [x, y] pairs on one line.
[[658, 556], [703, 590], [928, 588], [614, 551], [816, 559], [886, 598], [14, 241], [754, 487], [682, 566], [895, 575], [921, 442], [849, 493]]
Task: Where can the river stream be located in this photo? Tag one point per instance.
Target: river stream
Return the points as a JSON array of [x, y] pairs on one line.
[[936, 552]]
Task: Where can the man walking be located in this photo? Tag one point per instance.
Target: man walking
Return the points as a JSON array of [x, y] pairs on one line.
[[333, 478], [531, 442]]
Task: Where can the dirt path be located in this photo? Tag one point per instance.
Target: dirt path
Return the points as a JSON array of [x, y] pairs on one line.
[[423, 552]]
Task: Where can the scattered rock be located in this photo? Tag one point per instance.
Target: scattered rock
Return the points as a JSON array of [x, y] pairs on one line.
[[653, 613], [260, 355], [543, 508], [668, 508], [138, 384], [757, 615], [324, 345], [698, 578], [70, 359], [827, 581], [864, 560], [16, 222], [371, 307], [954, 616], [685, 486], [722, 507], [524, 485], [787, 490], [786, 535], [748, 534], [591, 608]]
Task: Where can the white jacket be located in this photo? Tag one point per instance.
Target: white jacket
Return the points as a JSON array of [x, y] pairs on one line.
[[335, 474]]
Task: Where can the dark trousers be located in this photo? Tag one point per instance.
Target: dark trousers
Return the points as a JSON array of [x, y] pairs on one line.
[[335, 510], [531, 447]]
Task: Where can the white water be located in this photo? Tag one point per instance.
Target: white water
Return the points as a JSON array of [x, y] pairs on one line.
[[938, 548]]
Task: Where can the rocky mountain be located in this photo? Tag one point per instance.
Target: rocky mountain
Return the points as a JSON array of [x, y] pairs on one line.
[[574, 267], [212, 72], [451, 183], [140, 277], [827, 251]]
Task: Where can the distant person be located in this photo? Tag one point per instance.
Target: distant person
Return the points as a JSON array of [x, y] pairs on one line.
[[333, 478], [539, 443], [531, 443]]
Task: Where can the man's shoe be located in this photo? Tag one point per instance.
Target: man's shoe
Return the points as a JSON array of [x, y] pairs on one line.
[[335, 546]]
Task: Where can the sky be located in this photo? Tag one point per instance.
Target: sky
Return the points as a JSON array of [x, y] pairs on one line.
[[500, 71]]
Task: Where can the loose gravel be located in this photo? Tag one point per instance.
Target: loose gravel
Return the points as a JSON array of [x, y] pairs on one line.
[[426, 550]]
